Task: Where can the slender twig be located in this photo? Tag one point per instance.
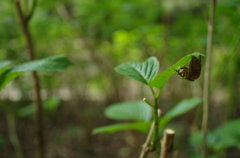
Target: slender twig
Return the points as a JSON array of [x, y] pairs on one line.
[[156, 96], [13, 135], [148, 102], [36, 83], [207, 77], [156, 125], [167, 143], [147, 146], [33, 7]]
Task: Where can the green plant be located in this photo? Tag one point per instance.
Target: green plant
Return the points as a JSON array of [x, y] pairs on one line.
[[8, 72], [219, 139], [147, 73]]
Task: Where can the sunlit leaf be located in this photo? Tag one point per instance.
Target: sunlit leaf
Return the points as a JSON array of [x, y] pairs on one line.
[[141, 71], [164, 76], [181, 108], [135, 110], [138, 126]]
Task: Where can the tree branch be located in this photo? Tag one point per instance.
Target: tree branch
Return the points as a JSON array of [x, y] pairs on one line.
[[33, 7]]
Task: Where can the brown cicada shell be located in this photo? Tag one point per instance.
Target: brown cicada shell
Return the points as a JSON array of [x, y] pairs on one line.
[[192, 72]]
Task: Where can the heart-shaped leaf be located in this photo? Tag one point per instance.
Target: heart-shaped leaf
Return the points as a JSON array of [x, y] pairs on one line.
[[135, 110], [141, 71], [163, 77]]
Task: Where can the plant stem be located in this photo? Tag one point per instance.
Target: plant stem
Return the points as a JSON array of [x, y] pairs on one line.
[[207, 75], [146, 146], [156, 125], [13, 135], [154, 129], [167, 143], [36, 82], [156, 120]]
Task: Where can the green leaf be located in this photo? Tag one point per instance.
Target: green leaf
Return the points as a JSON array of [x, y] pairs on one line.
[[7, 76], [227, 135], [223, 137], [57, 63], [163, 77], [4, 66], [138, 126], [181, 108], [140, 71], [135, 110]]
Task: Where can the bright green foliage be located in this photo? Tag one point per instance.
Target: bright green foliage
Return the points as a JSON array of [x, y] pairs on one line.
[[164, 76], [137, 111], [57, 63], [139, 126], [181, 108], [143, 72]]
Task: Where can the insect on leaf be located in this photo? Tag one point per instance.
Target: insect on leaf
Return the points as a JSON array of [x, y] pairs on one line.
[[164, 76], [192, 72]]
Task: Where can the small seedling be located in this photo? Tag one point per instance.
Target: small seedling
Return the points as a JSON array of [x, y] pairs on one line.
[[147, 73]]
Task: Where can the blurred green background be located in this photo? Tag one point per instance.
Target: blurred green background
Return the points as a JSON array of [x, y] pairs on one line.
[[97, 35]]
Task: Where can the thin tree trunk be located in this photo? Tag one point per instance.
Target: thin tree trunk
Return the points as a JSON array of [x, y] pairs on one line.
[[207, 76], [36, 82]]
